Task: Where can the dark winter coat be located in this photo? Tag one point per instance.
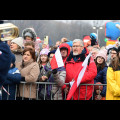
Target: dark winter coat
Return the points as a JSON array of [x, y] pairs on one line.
[[5, 61], [101, 77], [13, 79]]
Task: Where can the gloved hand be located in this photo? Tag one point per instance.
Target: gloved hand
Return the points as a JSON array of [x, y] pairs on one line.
[[54, 71], [22, 78]]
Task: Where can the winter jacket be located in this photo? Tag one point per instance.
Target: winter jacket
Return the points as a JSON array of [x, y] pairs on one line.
[[101, 77], [30, 72], [73, 64], [13, 80], [5, 61], [43, 72], [113, 84], [59, 78], [53, 92]]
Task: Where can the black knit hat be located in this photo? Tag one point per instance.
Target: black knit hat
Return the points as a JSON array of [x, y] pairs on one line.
[[115, 49], [51, 52]]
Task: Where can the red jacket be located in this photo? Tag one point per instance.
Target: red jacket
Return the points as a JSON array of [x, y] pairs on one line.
[[72, 69]]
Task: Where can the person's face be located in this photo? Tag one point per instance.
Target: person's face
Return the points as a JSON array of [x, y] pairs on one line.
[[13, 46], [100, 60], [77, 48], [94, 54], [51, 56], [90, 49], [28, 39], [27, 56], [57, 44], [44, 46], [113, 54], [63, 53], [43, 58]]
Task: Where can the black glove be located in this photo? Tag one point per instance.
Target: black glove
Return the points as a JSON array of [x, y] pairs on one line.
[[54, 71], [23, 79]]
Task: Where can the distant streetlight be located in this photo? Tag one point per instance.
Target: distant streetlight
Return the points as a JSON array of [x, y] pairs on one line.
[[97, 27]]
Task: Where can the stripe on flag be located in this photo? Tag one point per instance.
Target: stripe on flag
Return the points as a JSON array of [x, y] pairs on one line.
[[57, 60]]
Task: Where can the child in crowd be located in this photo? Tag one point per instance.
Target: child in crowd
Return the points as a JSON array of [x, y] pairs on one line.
[[13, 79]]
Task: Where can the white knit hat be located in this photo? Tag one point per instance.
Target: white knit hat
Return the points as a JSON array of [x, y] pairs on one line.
[[18, 41]]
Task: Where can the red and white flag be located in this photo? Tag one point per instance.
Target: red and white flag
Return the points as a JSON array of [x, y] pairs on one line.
[[74, 84], [57, 60]]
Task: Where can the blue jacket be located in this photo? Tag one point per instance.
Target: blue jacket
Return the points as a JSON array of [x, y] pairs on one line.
[[5, 61], [13, 79], [101, 77]]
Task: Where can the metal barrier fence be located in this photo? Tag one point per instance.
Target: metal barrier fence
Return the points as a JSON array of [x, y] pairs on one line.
[[43, 91]]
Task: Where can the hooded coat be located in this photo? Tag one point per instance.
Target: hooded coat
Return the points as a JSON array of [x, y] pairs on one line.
[[73, 64]]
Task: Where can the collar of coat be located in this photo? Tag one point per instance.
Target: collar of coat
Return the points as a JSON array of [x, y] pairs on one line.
[[24, 64], [80, 57]]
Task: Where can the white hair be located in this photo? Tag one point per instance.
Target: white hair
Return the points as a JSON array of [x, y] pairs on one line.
[[81, 42]]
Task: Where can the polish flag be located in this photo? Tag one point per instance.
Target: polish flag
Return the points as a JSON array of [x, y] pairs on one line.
[[76, 81], [57, 60]]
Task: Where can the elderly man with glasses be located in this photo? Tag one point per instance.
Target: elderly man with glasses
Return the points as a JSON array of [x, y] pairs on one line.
[[73, 65]]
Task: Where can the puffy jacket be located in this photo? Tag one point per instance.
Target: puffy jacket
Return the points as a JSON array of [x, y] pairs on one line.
[[5, 61], [13, 79], [72, 69], [113, 84], [101, 77]]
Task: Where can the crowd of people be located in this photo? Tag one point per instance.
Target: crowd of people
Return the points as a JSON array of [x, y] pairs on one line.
[[29, 62]]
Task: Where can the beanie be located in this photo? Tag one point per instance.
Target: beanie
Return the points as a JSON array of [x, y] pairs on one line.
[[115, 49], [102, 53], [93, 36], [18, 41], [51, 52], [44, 52], [70, 43]]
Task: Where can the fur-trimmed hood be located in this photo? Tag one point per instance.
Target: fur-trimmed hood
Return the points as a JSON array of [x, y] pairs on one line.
[[29, 31]]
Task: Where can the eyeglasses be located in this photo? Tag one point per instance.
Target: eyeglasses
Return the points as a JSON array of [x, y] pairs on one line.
[[77, 46]]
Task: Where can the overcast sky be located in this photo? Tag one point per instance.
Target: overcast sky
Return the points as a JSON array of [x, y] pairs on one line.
[[90, 21]]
